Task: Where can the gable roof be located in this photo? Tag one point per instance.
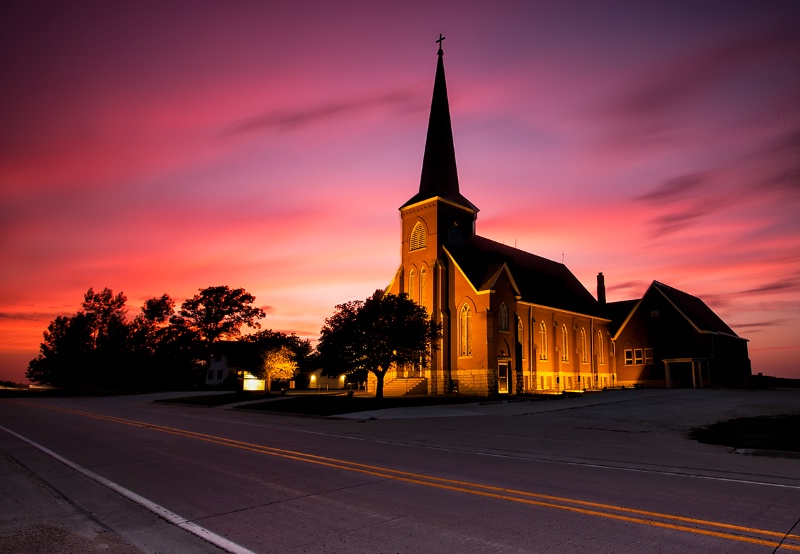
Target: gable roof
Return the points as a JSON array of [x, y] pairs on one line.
[[694, 310], [538, 280], [240, 354]]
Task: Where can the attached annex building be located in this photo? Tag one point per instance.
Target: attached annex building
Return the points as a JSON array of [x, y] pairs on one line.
[[512, 322]]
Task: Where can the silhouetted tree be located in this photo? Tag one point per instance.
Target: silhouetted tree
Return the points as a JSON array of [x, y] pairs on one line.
[[218, 313], [106, 313], [64, 355], [149, 325], [169, 354], [99, 347], [90, 348], [181, 357], [383, 331], [111, 363]]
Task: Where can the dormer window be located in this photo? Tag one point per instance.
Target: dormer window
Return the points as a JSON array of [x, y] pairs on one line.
[[418, 237]]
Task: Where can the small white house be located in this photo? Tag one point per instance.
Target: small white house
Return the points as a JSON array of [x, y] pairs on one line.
[[229, 361], [218, 370]]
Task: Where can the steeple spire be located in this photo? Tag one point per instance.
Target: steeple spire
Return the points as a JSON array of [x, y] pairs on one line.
[[439, 174]]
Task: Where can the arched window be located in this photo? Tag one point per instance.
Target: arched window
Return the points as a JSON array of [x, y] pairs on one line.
[[584, 347], [423, 275], [542, 340], [503, 317], [520, 334], [465, 331], [418, 237], [601, 359], [564, 344], [412, 285]]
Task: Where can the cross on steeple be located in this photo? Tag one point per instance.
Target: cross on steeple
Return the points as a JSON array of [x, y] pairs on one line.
[[439, 42]]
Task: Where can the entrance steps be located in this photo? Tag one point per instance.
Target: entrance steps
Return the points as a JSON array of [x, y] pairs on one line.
[[406, 387]]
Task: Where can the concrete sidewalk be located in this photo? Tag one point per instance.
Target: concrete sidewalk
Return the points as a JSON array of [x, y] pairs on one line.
[[667, 408]]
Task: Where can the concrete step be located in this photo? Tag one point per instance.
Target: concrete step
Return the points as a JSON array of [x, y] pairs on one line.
[[403, 387]]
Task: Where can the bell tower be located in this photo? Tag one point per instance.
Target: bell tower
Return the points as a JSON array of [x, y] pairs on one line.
[[437, 217]]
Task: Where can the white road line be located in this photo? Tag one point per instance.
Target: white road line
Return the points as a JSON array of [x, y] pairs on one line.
[[162, 512]]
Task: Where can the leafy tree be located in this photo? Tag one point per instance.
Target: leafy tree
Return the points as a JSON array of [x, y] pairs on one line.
[[157, 311], [278, 364], [110, 362], [106, 313], [268, 339], [149, 326], [63, 359], [169, 352], [99, 347], [218, 313], [383, 331], [180, 358], [90, 348]]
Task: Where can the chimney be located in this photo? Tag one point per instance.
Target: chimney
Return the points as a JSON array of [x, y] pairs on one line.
[[601, 289]]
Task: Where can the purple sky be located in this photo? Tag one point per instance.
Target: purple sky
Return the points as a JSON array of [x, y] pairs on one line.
[[156, 147]]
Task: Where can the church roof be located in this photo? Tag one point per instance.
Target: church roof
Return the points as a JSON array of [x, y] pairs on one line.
[[539, 280], [439, 174], [618, 312]]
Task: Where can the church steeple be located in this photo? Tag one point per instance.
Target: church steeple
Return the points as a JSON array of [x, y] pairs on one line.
[[439, 174]]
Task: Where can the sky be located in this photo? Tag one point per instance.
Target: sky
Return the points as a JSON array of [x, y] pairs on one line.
[[164, 147]]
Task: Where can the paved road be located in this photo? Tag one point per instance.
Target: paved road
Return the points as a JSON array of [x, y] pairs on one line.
[[610, 472]]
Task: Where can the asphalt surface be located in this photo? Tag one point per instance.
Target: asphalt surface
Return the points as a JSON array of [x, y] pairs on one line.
[[578, 474]]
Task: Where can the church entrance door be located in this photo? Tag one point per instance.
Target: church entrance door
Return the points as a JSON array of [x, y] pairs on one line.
[[502, 377]]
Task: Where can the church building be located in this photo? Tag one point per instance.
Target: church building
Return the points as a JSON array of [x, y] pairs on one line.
[[512, 322]]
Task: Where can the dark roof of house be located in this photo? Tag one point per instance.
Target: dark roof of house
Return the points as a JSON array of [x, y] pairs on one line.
[[240, 354], [439, 174], [540, 281], [694, 309]]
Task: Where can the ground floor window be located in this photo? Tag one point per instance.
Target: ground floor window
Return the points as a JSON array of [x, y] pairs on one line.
[[636, 356]]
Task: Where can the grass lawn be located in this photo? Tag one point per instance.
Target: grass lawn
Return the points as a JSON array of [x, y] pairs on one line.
[[219, 399], [326, 405], [762, 433]]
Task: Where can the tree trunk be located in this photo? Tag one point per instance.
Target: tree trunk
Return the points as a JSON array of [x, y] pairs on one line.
[[379, 384]]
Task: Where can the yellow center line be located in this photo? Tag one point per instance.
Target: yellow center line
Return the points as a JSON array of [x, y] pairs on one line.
[[524, 497]]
